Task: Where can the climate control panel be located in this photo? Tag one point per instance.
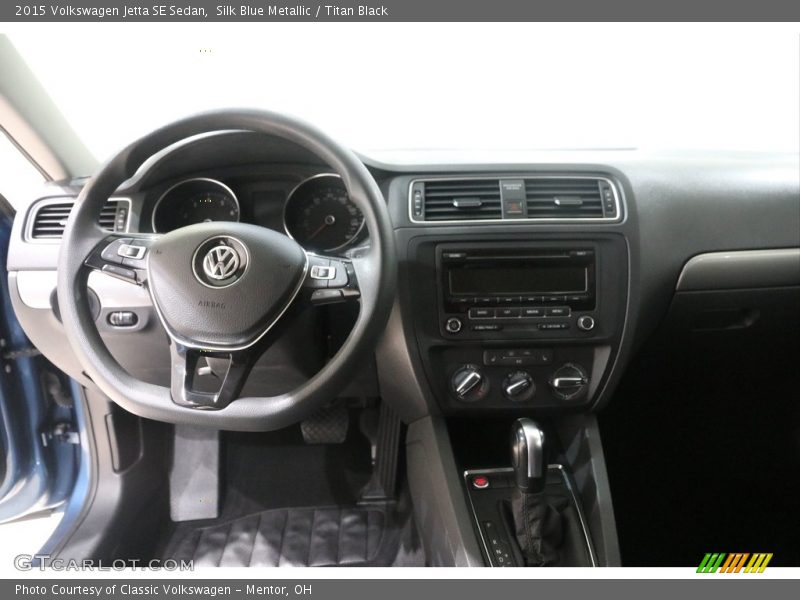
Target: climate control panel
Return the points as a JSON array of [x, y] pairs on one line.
[[516, 377]]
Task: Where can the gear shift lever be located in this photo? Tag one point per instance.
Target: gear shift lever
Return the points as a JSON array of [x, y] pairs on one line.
[[527, 456], [537, 525]]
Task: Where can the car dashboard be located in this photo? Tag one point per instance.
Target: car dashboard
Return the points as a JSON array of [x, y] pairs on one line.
[[526, 280]]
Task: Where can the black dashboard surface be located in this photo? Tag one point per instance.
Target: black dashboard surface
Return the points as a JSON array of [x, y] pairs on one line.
[[677, 206]]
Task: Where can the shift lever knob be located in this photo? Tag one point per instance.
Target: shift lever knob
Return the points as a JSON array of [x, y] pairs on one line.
[[527, 455]]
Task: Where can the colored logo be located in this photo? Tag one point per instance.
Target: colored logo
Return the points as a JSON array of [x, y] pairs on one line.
[[741, 562]]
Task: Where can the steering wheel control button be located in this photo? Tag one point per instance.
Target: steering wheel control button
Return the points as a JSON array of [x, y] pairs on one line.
[[123, 318], [453, 325], [111, 253], [323, 272], [480, 482], [220, 261], [586, 323], [326, 296], [131, 251], [120, 273]]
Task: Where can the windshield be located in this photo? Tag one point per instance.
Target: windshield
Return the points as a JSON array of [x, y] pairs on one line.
[[434, 86]]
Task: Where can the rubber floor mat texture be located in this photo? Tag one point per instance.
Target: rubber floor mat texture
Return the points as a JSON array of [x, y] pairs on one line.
[[317, 537]]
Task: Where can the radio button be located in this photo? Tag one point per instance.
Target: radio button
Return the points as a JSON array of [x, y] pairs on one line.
[[486, 327], [559, 325], [507, 299], [491, 357], [532, 312], [532, 299], [507, 313], [576, 298], [518, 357], [557, 311], [453, 325], [586, 323], [484, 300], [481, 313]]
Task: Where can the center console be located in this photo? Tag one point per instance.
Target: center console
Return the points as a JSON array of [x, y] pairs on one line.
[[515, 292], [519, 322]]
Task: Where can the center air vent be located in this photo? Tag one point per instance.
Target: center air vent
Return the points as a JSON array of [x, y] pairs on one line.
[[559, 198], [547, 198], [460, 199], [50, 217]]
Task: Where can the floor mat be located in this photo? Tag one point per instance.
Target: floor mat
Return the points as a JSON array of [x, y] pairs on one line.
[[296, 537]]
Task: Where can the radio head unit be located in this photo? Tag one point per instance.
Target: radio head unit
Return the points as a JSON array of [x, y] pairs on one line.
[[536, 288]]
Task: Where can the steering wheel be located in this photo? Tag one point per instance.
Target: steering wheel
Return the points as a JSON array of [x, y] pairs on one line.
[[225, 290]]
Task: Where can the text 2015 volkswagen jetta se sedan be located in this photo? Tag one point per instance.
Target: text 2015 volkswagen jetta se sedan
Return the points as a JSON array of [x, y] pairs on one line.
[[239, 343]]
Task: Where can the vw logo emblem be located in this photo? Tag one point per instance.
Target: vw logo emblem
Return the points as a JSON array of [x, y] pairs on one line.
[[221, 262]]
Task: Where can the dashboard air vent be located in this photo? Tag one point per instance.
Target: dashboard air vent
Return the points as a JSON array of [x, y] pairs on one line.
[[563, 198], [50, 218], [461, 199], [50, 221]]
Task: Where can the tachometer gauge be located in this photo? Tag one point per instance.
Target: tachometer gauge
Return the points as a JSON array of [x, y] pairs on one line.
[[194, 201], [320, 216]]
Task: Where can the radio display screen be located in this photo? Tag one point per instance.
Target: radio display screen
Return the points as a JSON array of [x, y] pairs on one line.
[[517, 279]]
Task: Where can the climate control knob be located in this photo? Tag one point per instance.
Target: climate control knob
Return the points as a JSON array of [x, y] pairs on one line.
[[518, 386], [469, 384], [569, 382]]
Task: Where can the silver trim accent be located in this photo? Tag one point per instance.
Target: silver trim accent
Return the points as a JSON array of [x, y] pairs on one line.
[[306, 180], [503, 221], [468, 384], [534, 445], [568, 382], [221, 262], [570, 488], [34, 209], [740, 269], [184, 181], [194, 259], [522, 384], [36, 287], [190, 344]]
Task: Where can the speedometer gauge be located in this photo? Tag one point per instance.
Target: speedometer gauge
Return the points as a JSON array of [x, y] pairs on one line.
[[319, 214], [194, 201]]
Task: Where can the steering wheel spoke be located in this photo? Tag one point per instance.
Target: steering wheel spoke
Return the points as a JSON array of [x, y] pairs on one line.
[[330, 280], [185, 363], [123, 256]]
